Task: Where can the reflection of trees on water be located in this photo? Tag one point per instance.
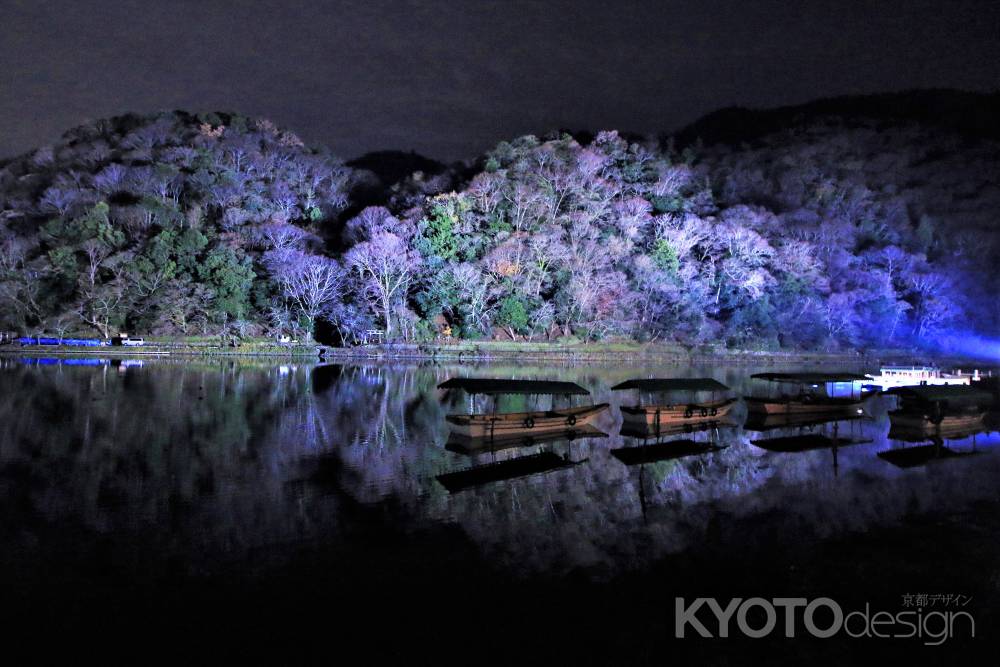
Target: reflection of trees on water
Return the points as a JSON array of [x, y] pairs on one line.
[[591, 516], [183, 454], [388, 427], [223, 459]]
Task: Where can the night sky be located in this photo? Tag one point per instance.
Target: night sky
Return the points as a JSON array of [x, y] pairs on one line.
[[450, 79]]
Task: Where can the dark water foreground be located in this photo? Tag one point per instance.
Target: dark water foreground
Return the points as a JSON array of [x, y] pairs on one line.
[[205, 512]]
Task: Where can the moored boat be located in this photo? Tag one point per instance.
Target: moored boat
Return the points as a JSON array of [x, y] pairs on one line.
[[920, 432], [890, 377], [512, 424], [669, 412], [931, 408], [509, 424], [961, 421], [762, 422], [818, 393]]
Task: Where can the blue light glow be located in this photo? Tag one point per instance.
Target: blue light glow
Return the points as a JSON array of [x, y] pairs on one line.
[[972, 345]]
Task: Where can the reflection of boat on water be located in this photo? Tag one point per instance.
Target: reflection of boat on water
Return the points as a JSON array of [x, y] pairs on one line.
[[494, 424], [805, 442], [910, 457], [646, 431], [948, 407], [763, 422], [662, 451], [522, 466], [666, 450], [835, 393], [64, 361], [657, 443], [658, 412], [805, 437], [462, 444]]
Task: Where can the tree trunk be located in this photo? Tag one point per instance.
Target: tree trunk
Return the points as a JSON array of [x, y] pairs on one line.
[[387, 312]]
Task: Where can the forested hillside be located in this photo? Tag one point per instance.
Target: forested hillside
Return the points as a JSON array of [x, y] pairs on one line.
[[171, 223], [835, 231], [847, 230]]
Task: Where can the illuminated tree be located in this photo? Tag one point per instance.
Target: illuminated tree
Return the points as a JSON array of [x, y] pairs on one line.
[[384, 267], [313, 284]]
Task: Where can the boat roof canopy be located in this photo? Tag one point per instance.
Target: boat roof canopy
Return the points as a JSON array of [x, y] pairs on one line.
[[935, 393], [673, 384], [491, 386], [811, 378]]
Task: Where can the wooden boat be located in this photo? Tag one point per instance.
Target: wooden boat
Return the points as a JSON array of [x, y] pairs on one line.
[[922, 432], [811, 402], [762, 422], [675, 412], [513, 424], [957, 422], [805, 405], [933, 407]]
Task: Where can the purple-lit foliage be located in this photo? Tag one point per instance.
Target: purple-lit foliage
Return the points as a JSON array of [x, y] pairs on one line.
[[826, 236], [169, 224], [808, 241]]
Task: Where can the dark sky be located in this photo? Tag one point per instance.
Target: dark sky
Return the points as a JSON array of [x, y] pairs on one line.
[[449, 78]]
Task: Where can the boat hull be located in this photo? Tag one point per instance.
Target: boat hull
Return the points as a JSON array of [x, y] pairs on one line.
[[795, 406], [678, 413], [513, 424], [917, 421], [893, 383], [761, 422]]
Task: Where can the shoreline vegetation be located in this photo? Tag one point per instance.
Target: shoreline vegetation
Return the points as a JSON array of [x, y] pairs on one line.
[[833, 231], [484, 351]]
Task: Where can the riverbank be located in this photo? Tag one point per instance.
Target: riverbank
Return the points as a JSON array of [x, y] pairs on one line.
[[170, 349], [496, 351]]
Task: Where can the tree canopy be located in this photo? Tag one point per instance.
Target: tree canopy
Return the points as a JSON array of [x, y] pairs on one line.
[[172, 223], [823, 234]]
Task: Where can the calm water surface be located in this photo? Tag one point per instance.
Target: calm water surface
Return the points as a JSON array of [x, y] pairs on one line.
[[219, 466]]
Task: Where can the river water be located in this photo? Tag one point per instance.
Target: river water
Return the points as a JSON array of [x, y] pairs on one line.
[[151, 474]]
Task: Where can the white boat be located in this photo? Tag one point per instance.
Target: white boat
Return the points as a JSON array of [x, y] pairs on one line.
[[890, 377]]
